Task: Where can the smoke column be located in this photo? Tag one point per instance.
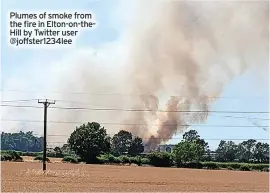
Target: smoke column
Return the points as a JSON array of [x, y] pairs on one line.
[[173, 56], [193, 49]]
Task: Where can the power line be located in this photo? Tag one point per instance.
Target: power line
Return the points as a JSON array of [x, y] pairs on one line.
[[19, 100], [145, 138], [128, 124], [240, 117], [206, 139], [21, 106], [236, 117], [138, 110], [122, 94], [88, 104]]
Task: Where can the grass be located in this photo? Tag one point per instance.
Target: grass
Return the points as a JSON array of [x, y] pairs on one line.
[[237, 166], [57, 173]]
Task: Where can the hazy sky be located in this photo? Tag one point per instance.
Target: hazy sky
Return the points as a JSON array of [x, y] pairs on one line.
[[245, 93]]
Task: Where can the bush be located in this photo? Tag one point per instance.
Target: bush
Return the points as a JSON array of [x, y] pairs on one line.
[[237, 166], [112, 159], [139, 160], [196, 165], [145, 161], [136, 160], [244, 168], [265, 170], [6, 157], [31, 153], [222, 165], [108, 158], [79, 159], [116, 160], [55, 154], [19, 153], [133, 160], [70, 159], [124, 159], [11, 156], [226, 165], [18, 159], [259, 167], [210, 165], [40, 158], [160, 159], [14, 154], [102, 159]]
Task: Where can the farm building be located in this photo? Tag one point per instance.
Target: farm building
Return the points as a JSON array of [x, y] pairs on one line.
[[166, 148]]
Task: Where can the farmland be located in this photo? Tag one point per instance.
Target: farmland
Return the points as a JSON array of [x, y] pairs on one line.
[[65, 177]]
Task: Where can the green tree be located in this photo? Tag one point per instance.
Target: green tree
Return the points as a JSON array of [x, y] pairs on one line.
[[121, 142], [21, 141], [207, 156], [190, 149], [184, 152], [136, 147], [160, 159], [88, 141], [226, 151], [246, 151], [191, 135], [58, 151], [261, 152], [65, 148]]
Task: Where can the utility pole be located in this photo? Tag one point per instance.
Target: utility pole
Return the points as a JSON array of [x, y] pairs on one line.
[[46, 104]]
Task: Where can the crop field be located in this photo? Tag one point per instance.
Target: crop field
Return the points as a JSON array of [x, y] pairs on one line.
[[65, 177]]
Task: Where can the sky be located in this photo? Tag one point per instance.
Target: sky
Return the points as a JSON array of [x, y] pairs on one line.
[[245, 93]]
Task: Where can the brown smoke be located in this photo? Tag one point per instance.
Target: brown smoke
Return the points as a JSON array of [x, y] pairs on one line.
[[194, 49]]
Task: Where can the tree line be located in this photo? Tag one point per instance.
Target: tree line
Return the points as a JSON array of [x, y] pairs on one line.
[[89, 141], [21, 141]]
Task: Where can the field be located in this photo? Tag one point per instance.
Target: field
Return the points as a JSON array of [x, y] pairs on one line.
[[64, 177]]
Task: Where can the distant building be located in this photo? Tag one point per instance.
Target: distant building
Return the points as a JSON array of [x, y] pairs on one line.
[[161, 148], [166, 148]]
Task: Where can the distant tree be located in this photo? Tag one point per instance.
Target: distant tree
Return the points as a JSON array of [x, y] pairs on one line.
[[185, 152], [207, 156], [246, 151], [88, 141], [58, 151], [191, 135], [121, 143], [124, 143], [65, 148], [136, 147], [21, 141], [226, 151], [261, 152], [191, 149]]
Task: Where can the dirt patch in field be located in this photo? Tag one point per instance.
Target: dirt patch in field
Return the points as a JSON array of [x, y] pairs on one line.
[[31, 159], [64, 177]]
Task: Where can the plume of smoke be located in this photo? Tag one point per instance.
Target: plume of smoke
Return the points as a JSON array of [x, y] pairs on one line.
[[188, 49], [195, 49]]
